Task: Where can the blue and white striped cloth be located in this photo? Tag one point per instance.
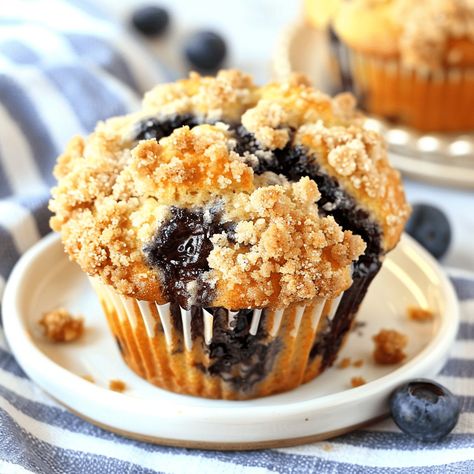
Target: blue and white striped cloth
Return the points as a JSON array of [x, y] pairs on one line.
[[63, 66]]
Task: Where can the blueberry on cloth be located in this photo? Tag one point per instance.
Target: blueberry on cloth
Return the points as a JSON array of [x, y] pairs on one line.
[[205, 50], [150, 20], [424, 409], [430, 227]]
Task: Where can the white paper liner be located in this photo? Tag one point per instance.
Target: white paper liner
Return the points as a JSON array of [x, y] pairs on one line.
[[157, 349], [126, 308]]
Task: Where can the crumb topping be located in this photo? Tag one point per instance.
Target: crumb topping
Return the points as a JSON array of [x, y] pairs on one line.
[[282, 247], [345, 363], [416, 313], [426, 34], [389, 347], [357, 158], [357, 381], [117, 386], [60, 325], [115, 191], [227, 96], [421, 45]]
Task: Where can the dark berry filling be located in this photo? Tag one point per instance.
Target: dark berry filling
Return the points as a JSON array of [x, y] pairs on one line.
[[153, 127], [180, 250], [236, 356]]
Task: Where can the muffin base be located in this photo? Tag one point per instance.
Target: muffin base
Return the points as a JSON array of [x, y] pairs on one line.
[[426, 100], [226, 355]]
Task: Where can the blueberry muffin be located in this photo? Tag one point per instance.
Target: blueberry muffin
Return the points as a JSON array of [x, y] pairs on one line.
[[231, 231], [409, 62]]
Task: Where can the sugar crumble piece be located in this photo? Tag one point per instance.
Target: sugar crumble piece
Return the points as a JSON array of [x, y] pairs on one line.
[[89, 378], [346, 362], [358, 381], [389, 347], [415, 313], [117, 385], [60, 325], [358, 363]]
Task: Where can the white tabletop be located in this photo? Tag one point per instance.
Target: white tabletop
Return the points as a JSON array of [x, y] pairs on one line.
[[252, 29]]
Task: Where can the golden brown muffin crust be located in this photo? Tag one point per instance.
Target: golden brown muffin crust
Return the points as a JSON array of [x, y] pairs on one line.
[[426, 34], [114, 192], [436, 33]]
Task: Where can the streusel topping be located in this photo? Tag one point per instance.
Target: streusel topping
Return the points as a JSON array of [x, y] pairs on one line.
[[425, 34], [191, 193]]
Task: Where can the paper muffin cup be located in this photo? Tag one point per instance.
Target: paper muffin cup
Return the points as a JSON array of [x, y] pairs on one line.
[[426, 100], [216, 353]]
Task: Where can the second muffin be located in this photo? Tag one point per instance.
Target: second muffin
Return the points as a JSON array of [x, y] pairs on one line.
[[410, 62]]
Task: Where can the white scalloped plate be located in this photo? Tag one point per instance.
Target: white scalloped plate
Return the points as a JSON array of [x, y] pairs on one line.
[[437, 158], [45, 279]]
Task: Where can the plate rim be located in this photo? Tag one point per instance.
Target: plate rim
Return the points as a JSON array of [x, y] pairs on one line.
[[15, 329]]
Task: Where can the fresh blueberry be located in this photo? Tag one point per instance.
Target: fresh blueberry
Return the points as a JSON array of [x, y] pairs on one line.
[[424, 409], [205, 50], [150, 20], [430, 227]]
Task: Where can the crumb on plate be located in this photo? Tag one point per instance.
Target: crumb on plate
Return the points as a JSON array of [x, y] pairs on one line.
[[346, 362], [60, 325], [389, 346], [358, 381], [117, 385], [419, 314], [89, 378], [358, 363]]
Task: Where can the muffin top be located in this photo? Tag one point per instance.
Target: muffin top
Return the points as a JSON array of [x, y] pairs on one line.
[[196, 198], [426, 34]]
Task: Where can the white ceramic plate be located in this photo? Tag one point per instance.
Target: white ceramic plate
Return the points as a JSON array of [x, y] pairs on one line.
[[45, 279], [438, 158]]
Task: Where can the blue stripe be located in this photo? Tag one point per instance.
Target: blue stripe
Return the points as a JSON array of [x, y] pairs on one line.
[[20, 447], [8, 252], [287, 462], [5, 188], [103, 54], [284, 463], [466, 331], [459, 368], [380, 440], [23, 112], [464, 288], [88, 95], [18, 52], [9, 364], [91, 8], [38, 207]]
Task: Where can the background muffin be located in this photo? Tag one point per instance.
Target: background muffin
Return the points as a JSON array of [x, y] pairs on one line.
[[219, 272], [410, 62]]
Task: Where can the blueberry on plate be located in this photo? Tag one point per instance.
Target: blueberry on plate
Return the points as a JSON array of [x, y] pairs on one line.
[[205, 50], [430, 227], [424, 409], [150, 20]]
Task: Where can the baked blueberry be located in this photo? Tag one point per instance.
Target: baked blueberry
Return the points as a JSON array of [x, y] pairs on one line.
[[424, 409], [429, 226], [205, 50], [150, 20], [153, 127]]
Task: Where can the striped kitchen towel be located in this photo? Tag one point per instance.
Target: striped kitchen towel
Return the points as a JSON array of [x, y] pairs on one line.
[[63, 66]]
